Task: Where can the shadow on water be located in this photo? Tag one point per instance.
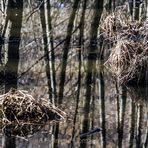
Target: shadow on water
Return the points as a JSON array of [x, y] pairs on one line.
[[102, 97], [121, 108], [138, 115], [101, 113], [115, 116], [12, 131]]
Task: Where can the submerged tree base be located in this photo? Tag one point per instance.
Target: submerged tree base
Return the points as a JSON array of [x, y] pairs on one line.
[[17, 105]]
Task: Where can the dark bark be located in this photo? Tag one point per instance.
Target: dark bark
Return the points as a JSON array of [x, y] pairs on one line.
[[66, 50], [2, 41], [102, 97], [110, 5], [121, 121], [139, 132], [91, 62], [56, 133], [45, 39], [131, 6], [80, 45], [133, 124], [9, 142], [14, 12], [137, 5], [92, 50], [52, 50]]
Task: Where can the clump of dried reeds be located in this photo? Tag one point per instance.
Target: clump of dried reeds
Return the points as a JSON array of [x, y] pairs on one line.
[[113, 23], [17, 105], [128, 60]]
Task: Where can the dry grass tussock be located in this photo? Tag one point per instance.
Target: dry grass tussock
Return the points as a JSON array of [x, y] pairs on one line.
[[113, 23], [128, 60], [17, 106]]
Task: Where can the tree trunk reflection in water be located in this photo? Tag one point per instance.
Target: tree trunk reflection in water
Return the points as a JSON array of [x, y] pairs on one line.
[[139, 124], [55, 133], [45, 39], [80, 45], [64, 64], [66, 50], [133, 122], [102, 99], [93, 107], [14, 14], [91, 67], [2, 42], [121, 114], [146, 142], [138, 134], [9, 142], [52, 61]]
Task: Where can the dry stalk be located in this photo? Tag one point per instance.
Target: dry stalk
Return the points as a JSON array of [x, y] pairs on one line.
[[18, 105]]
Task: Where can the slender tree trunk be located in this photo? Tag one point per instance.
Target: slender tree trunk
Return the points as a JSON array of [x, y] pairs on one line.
[[131, 6], [110, 4], [103, 108], [14, 12], [146, 142], [53, 72], [2, 78], [66, 50], [80, 46], [146, 3], [91, 60], [2, 36], [92, 50], [9, 142], [121, 118], [137, 5], [139, 139], [133, 124], [45, 39]]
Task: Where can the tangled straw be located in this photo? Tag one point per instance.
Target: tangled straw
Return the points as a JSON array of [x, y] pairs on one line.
[[17, 105]]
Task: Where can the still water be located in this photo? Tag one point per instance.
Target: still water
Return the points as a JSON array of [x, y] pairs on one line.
[[114, 117]]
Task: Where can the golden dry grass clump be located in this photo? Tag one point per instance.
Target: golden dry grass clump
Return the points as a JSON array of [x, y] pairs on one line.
[[17, 105], [113, 23], [128, 61]]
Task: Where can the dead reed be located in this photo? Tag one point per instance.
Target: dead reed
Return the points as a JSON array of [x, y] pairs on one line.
[[128, 59], [17, 105]]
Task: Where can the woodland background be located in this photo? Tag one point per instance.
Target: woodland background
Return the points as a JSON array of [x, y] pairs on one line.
[[55, 50]]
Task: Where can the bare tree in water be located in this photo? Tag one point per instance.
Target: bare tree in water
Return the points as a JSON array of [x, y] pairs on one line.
[[134, 6], [45, 39], [52, 55], [14, 13], [91, 62], [80, 46], [66, 50]]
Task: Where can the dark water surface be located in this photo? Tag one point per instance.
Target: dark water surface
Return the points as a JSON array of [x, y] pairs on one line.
[[112, 116], [117, 117]]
